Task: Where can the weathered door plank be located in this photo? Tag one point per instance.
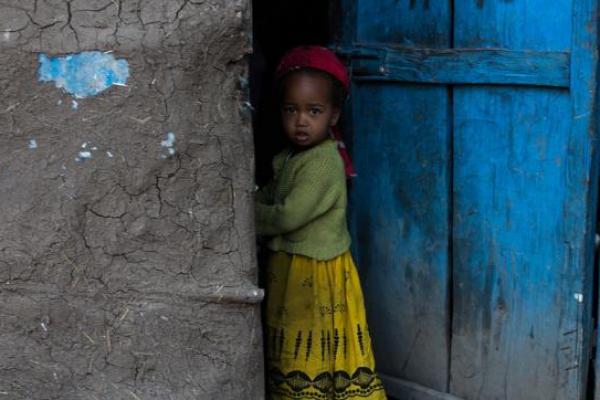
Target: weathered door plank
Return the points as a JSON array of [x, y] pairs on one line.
[[459, 66], [400, 223], [520, 127], [521, 172], [399, 213]]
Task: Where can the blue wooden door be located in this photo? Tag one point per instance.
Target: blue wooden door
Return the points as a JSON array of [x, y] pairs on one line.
[[472, 128]]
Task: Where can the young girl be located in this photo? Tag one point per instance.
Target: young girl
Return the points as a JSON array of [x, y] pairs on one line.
[[318, 344]]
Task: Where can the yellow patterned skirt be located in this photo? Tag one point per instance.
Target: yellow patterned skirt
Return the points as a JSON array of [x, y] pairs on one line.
[[318, 343]]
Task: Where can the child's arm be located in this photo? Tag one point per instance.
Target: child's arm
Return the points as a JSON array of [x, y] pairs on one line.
[[315, 190]]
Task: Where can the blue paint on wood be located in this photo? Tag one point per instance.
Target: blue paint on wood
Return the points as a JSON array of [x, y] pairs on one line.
[[348, 9], [584, 132], [510, 255], [403, 23], [523, 186], [399, 220], [522, 164], [460, 66], [516, 25], [83, 74], [399, 211]]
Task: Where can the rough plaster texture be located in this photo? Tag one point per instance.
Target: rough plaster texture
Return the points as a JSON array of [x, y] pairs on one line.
[[131, 276]]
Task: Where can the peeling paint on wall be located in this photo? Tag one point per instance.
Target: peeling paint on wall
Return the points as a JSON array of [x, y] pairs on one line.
[[84, 74], [169, 144], [83, 155]]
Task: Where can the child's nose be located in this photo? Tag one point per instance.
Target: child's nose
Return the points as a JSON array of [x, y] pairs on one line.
[[302, 119]]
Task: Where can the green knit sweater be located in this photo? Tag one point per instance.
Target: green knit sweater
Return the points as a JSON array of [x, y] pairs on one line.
[[303, 208]]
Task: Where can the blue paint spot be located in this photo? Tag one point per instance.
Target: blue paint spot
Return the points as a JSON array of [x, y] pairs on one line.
[[83, 156], [169, 144], [84, 74], [170, 141]]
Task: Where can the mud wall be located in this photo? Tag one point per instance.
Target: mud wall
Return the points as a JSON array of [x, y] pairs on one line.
[[127, 266]]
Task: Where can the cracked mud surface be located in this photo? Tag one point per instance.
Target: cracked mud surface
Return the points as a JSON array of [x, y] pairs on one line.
[[126, 276]]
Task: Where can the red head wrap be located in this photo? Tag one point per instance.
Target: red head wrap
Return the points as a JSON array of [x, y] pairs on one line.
[[322, 59]]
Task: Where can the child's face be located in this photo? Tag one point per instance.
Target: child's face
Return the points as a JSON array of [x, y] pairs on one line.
[[307, 111]]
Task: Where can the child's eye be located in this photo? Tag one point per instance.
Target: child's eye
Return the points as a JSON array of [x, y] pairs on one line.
[[315, 111], [289, 110]]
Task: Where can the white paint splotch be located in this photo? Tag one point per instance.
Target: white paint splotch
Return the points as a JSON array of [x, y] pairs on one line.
[[168, 144], [83, 156]]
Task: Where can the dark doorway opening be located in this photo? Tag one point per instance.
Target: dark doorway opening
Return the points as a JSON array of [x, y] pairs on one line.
[[278, 26]]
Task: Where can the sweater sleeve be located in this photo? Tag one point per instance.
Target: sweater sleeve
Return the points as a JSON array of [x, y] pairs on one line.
[[314, 191]]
